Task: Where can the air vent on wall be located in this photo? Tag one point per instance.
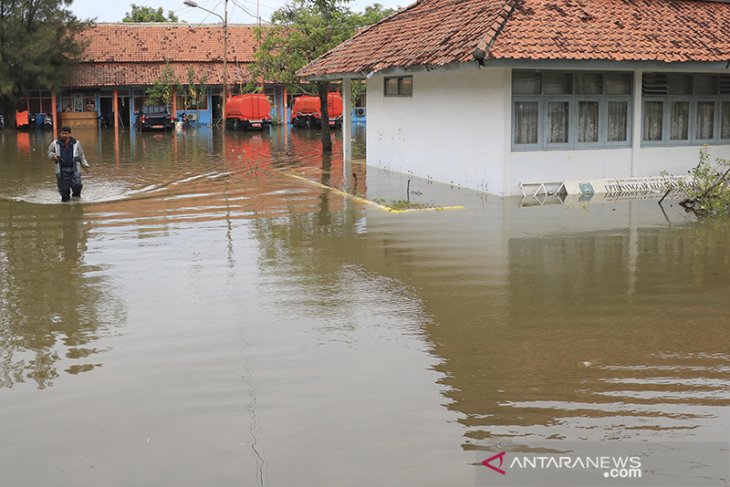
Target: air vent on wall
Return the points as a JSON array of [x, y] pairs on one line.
[[725, 85], [654, 84]]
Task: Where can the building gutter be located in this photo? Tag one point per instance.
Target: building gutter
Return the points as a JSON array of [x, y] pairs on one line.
[[567, 64], [336, 76], [577, 64]]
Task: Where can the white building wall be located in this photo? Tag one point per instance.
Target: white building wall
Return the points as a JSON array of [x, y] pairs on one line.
[[571, 165], [451, 130], [558, 166], [675, 160], [456, 128]]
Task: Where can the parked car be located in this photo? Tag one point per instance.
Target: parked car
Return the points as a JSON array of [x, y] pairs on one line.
[[155, 117], [249, 111], [307, 111]]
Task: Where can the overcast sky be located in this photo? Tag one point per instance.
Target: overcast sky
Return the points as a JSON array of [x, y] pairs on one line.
[[113, 11]]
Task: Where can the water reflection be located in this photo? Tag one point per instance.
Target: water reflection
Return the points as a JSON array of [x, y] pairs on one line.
[[55, 305], [278, 321], [597, 335], [606, 326]]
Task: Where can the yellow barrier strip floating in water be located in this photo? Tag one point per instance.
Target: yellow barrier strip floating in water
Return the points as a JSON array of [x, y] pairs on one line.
[[367, 201]]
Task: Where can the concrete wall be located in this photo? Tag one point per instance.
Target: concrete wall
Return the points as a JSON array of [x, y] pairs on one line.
[[544, 166], [650, 161], [456, 128], [558, 166], [452, 129]]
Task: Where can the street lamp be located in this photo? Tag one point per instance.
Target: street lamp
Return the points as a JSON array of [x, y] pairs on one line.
[[191, 3]]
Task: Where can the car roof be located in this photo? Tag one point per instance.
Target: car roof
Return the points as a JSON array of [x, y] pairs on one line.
[[154, 109]]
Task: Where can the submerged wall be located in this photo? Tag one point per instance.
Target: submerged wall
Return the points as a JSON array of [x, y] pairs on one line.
[[549, 166]]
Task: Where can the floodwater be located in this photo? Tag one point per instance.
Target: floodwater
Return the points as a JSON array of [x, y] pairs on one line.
[[210, 313]]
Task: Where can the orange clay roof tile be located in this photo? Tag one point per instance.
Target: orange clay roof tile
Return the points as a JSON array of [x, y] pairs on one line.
[[125, 54], [439, 32]]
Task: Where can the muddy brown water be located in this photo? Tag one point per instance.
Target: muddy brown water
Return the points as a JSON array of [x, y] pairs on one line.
[[210, 314]]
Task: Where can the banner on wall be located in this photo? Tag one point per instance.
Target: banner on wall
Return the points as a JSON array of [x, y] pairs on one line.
[[78, 102], [635, 186]]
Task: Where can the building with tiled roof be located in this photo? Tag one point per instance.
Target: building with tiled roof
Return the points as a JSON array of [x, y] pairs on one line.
[[127, 58], [128, 54], [518, 92]]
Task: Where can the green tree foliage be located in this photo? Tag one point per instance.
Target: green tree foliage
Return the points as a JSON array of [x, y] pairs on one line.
[[38, 48], [371, 15], [168, 85], [195, 91], [709, 193], [300, 32], [148, 14], [359, 89], [162, 91]]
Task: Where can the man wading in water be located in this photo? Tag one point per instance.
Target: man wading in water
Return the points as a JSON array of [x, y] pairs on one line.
[[69, 157]]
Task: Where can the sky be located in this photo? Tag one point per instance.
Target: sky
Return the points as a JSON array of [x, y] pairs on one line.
[[114, 11]]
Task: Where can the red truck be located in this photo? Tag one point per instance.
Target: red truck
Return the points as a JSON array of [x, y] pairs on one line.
[[307, 112], [251, 111]]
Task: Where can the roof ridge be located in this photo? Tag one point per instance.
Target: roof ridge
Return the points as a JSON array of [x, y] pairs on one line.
[[500, 20]]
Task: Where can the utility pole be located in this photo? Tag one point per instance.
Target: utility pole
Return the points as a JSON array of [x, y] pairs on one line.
[[191, 3]]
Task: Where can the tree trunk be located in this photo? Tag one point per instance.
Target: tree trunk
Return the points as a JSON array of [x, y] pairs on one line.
[[6, 111], [324, 87]]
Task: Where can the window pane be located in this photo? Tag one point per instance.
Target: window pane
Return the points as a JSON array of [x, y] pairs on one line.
[[557, 83], [34, 105], [653, 112], [618, 84], [525, 83], [46, 105], [706, 85], [589, 84], [726, 120], [705, 119], [588, 121], [391, 86], [526, 122], [406, 86], [618, 121], [680, 85], [558, 122], [679, 128]]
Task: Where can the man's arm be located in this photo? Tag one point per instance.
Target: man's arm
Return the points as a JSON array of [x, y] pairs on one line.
[[52, 154], [82, 157]]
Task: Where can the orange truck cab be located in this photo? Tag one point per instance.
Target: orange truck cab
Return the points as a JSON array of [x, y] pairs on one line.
[[250, 111], [307, 112]]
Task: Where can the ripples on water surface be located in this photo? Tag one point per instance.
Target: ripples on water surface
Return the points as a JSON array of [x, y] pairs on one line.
[[210, 315]]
